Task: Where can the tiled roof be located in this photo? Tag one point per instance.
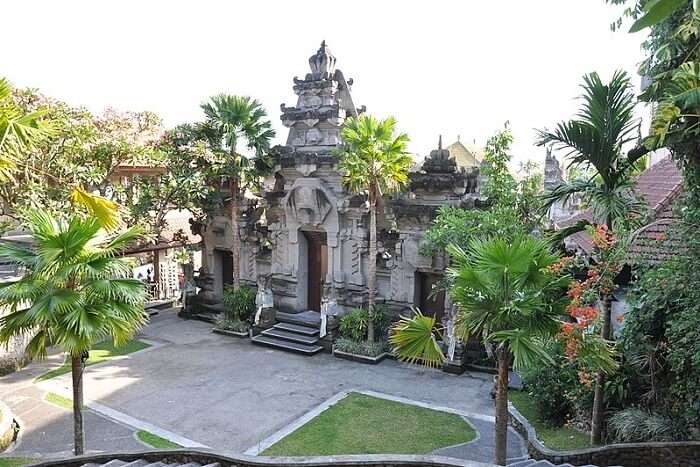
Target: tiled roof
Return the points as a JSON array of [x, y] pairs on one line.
[[659, 186]]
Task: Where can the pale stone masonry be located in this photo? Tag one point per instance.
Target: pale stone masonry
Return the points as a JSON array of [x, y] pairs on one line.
[[307, 237]]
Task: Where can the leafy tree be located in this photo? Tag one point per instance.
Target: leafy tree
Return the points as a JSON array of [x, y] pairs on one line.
[[73, 294], [228, 119], [512, 207], [507, 294], [596, 138], [19, 131], [374, 161]]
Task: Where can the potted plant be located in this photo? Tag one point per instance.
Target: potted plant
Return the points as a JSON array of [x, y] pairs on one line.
[[352, 344], [240, 307]]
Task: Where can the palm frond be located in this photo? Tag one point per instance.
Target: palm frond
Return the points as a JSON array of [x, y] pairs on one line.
[[104, 210], [413, 340]]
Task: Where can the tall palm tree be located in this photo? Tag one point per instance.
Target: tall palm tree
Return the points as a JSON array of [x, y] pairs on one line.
[[504, 293], [374, 162], [595, 139], [228, 119], [74, 293]]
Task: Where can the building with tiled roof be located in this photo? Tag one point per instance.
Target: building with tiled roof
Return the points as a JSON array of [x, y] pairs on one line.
[[467, 157], [659, 186]]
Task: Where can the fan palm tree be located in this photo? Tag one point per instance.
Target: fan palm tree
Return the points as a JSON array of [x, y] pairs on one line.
[[19, 131], [374, 162], [228, 119], [595, 139], [74, 293], [504, 293]]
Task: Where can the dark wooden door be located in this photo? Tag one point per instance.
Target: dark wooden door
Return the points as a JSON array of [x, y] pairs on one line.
[[432, 296], [317, 254], [226, 267]]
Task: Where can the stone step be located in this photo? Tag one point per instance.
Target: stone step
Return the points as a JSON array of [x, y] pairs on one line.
[[269, 341], [290, 336], [522, 463], [137, 463], [306, 330], [303, 318]]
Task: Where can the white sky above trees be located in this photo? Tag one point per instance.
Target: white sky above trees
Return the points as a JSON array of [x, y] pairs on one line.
[[440, 66]]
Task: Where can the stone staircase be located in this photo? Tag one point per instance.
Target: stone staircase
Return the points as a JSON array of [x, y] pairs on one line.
[[145, 463], [294, 332]]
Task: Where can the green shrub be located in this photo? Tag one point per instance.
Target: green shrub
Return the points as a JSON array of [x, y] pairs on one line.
[[240, 303], [363, 347], [232, 324], [555, 388], [635, 425], [354, 324]]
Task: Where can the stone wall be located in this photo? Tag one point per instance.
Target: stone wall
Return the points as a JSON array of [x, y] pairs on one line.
[[12, 356], [206, 457], [676, 454]]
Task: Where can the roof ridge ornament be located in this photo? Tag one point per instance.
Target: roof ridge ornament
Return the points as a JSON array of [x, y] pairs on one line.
[[322, 63]]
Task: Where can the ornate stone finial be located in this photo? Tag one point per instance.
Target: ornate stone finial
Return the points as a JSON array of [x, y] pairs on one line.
[[458, 138], [322, 62], [440, 143]]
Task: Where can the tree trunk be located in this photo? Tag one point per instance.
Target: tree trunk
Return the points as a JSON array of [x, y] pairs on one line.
[[597, 417], [372, 265], [236, 253], [78, 430], [502, 407]]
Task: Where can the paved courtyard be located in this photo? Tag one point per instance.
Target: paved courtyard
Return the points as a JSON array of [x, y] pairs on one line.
[[228, 394]]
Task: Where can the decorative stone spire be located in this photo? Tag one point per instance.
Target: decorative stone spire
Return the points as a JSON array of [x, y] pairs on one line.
[[439, 160], [322, 63]]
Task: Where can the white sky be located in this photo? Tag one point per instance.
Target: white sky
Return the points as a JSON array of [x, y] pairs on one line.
[[440, 66]]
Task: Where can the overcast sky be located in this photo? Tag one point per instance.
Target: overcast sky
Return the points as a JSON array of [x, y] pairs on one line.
[[440, 66]]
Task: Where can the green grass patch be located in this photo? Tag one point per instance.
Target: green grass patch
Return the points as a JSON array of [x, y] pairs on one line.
[[155, 441], [361, 424], [60, 401], [16, 461], [560, 438], [100, 352]]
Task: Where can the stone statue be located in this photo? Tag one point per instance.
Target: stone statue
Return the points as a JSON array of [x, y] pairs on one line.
[[264, 298], [322, 63]]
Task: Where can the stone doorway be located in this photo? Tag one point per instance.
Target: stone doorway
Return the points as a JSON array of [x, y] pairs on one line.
[[317, 267], [432, 297]]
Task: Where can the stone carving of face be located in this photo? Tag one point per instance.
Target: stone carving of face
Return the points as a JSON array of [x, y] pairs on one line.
[[313, 136], [310, 205]]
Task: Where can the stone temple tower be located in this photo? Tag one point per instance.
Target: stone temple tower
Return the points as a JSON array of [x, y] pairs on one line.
[[323, 104]]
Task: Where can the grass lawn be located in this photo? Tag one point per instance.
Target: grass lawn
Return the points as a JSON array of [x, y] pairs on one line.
[[155, 440], [16, 461], [100, 353], [361, 424], [559, 438], [60, 401]]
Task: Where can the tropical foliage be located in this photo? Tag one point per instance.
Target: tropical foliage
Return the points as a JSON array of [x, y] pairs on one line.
[[596, 138], [74, 293], [230, 120], [374, 162], [512, 207], [507, 294]]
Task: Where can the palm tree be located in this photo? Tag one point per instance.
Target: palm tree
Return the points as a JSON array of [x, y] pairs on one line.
[[596, 138], [19, 131], [374, 162], [228, 119], [73, 294], [505, 293]]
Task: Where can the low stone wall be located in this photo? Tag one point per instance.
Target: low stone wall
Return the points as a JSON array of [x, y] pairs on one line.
[[676, 454], [7, 427], [235, 460]]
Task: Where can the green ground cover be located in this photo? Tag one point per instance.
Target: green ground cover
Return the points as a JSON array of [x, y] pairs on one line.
[[15, 461], [559, 438], [155, 440], [60, 401], [100, 353], [361, 424]]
